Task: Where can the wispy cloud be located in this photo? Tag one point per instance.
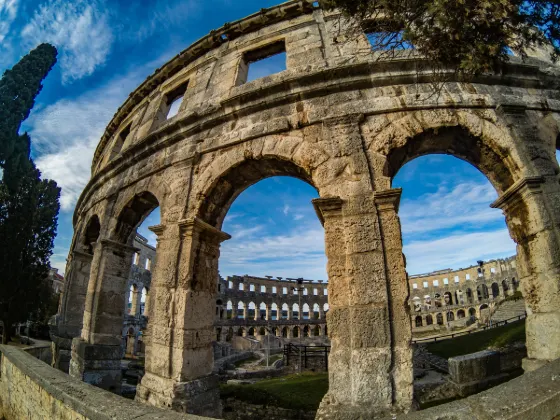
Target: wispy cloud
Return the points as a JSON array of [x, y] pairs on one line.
[[297, 253], [458, 250], [64, 135], [8, 13], [80, 30], [466, 204], [286, 209]]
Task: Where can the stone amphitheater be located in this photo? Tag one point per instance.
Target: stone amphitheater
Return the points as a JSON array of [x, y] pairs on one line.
[[343, 121]]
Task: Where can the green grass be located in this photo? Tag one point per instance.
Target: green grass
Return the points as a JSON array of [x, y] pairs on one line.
[[471, 343], [301, 392]]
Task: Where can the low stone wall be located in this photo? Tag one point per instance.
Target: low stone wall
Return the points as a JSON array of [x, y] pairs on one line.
[[32, 390], [239, 410], [534, 395], [227, 362], [256, 374], [43, 353]]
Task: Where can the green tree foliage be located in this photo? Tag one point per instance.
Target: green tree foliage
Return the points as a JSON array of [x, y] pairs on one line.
[[468, 36], [28, 205]]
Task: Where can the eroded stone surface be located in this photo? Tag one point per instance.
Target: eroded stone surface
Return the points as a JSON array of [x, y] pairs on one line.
[[344, 123]]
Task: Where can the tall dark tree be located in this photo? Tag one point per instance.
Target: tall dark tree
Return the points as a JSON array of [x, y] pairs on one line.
[[28, 205], [468, 36]]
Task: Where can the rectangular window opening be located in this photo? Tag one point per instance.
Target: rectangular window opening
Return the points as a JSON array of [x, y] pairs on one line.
[[262, 62], [119, 141], [148, 265], [384, 35], [174, 99]]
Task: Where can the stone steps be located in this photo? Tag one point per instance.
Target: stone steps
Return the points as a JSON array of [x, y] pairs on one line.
[[508, 310]]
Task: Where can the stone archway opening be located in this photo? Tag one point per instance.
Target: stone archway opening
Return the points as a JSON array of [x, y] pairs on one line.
[[121, 271], [449, 179]]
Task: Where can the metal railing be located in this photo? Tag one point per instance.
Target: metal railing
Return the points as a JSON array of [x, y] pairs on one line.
[[460, 333], [303, 354]]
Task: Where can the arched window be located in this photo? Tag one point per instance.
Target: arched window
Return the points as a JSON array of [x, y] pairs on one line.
[[305, 311], [295, 311]]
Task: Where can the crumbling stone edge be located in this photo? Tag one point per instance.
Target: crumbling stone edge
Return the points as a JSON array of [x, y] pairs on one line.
[[64, 394]]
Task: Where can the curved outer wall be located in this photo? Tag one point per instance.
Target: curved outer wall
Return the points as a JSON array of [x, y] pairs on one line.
[[342, 121]]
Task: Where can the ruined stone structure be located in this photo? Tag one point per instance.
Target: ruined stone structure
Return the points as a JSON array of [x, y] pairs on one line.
[[253, 306], [340, 120], [245, 306], [453, 297], [136, 298]]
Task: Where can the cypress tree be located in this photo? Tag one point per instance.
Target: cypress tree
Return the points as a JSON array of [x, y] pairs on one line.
[[18, 89], [28, 205]]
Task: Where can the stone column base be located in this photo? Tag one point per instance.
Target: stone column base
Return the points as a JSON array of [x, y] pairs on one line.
[[98, 365], [200, 396], [61, 348], [529, 365]]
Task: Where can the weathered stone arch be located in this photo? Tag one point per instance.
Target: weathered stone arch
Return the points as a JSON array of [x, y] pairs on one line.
[[473, 136], [131, 215], [227, 177]]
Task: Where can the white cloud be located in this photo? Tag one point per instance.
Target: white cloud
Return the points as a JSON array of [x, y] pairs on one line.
[[286, 209], [8, 13], [456, 251], [466, 203], [299, 216], [80, 30], [64, 135], [299, 253]]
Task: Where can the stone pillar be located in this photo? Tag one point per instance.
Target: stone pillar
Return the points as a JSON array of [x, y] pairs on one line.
[[179, 354], [96, 355], [135, 307], [387, 203], [147, 303], [532, 215], [290, 313], [367, 285], [71, 312], [268, 312]]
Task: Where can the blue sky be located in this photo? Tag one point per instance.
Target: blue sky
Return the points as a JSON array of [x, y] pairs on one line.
[[107, 48]]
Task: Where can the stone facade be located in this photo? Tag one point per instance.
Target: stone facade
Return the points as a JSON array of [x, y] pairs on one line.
[[454, 297], [258, 307], [263, 306], [341, 120], [137, 296]]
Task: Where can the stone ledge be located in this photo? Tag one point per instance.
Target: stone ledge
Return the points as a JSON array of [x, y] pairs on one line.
[[534, 395], [64, 394]]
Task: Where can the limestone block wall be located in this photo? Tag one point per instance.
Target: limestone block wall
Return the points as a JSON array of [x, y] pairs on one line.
[[32, 390], [343, 121]]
